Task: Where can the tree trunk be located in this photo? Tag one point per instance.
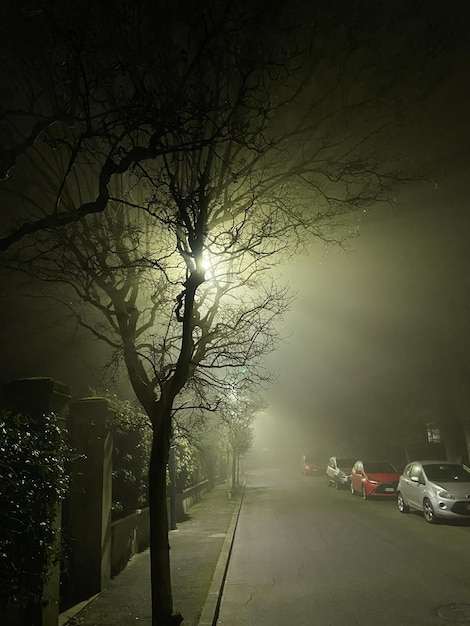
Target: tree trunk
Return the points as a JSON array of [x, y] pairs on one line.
[[162, 601]]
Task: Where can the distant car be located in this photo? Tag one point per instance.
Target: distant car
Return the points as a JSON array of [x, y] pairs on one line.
[[374, 479], [437, 488], [311, 466], [338, 471]]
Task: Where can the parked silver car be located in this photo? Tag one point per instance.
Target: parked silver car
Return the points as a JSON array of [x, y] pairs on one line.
[[439, 489], [338, 471]]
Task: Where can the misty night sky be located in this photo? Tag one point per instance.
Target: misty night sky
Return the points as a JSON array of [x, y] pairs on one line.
[[364, 334], [368, 326]]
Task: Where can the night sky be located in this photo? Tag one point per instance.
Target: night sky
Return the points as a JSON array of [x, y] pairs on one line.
[[370, 331], [377, 327]]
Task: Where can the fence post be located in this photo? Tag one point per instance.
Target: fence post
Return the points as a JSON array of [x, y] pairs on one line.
[[90, 501], [37, 397]]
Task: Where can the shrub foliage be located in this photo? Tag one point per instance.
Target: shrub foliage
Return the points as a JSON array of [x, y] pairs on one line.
[[33, 453], [132, 442]]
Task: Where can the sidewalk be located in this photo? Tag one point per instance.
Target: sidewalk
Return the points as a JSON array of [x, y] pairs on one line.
[[199, 552]]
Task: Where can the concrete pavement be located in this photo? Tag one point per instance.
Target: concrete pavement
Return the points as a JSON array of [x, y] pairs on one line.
[[306, 555], [199, 553]]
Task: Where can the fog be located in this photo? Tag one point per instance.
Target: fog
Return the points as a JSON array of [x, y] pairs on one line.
[[374, 329], [369, 334], [369, 337], [378, 330]]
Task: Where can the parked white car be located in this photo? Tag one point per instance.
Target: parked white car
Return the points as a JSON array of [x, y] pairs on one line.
[[439, 489], [338, 471]]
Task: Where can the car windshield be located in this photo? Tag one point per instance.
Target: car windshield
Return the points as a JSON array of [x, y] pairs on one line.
[[379, 468], [447, 472], [345, 463]]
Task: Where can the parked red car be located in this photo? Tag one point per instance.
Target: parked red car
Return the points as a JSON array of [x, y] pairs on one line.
[[370, 479], [311, 466]]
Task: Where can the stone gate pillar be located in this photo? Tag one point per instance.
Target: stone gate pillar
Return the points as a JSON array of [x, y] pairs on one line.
[[36, 397], [91, 495]]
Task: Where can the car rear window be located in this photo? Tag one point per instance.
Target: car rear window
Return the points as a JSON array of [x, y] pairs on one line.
[[379, 468], [447, 472], [345, 463]]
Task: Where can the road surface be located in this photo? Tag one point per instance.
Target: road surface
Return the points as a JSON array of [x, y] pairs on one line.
[[308, 555]]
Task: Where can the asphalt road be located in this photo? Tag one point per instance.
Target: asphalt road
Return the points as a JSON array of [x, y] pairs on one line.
[[308, 555]]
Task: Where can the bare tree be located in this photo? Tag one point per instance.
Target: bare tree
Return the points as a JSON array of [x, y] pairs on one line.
[[238, 413], [189, 149], [121, 279]]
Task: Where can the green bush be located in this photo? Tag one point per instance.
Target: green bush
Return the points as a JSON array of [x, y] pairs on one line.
[[188, 465], [132, 442], [33, 453]]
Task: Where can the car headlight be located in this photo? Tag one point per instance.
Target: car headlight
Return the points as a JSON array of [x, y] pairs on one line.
[[443, 493], [372, 482]]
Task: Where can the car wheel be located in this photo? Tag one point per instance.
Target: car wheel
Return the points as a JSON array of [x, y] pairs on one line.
[[352, 488], [402, 507], [364, 494], [428, 511]]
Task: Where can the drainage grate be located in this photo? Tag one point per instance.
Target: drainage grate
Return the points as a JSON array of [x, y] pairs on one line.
[[458, 613]]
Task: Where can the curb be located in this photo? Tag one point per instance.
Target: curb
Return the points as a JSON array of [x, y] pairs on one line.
[[70, 613], [210, 611]]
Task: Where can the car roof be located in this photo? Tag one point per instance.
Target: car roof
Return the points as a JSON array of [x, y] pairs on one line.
[[436, 462], [375, 461]]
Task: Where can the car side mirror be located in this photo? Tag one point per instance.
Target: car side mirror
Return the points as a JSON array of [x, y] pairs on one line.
[[418, 480]]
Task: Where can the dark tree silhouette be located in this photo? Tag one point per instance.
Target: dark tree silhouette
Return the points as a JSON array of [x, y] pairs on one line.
[[159, 159]]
